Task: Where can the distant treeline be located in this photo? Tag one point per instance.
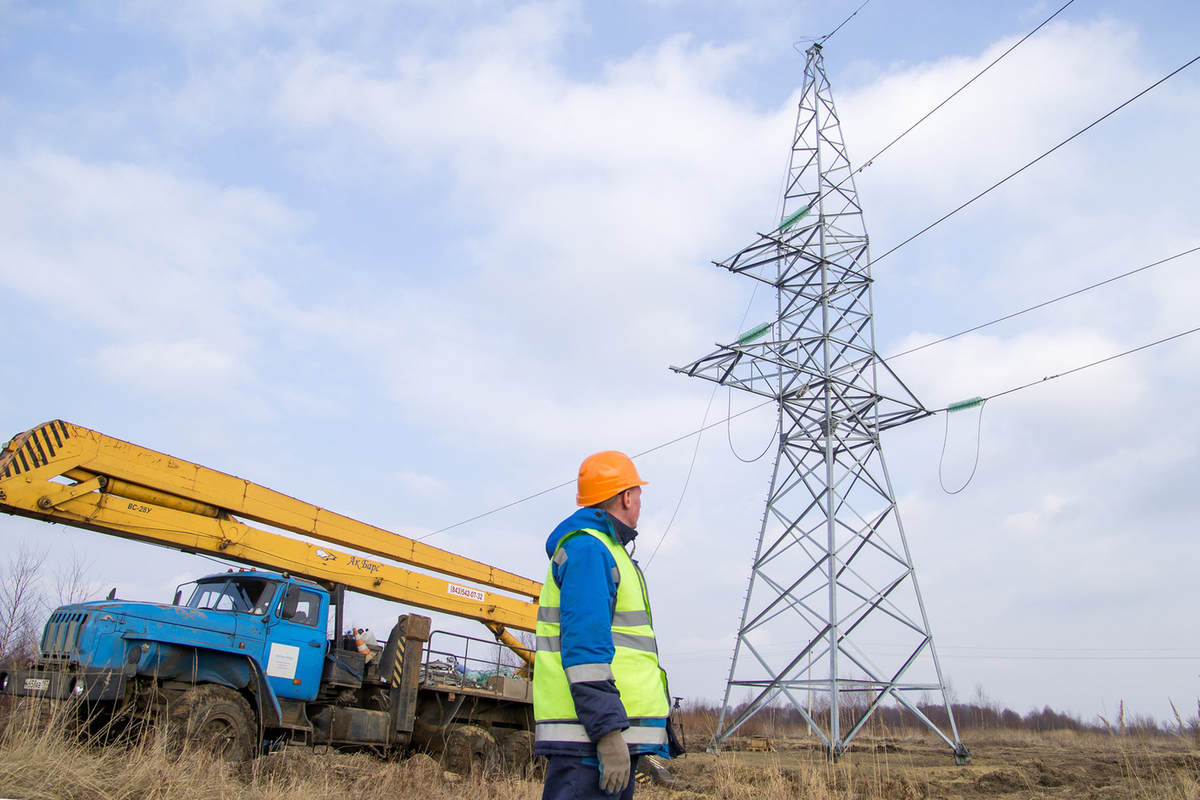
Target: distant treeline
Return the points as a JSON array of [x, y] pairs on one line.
[[778, 720]]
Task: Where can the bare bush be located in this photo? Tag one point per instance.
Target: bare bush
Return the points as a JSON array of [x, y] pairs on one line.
[[22, 607], [73, 582]]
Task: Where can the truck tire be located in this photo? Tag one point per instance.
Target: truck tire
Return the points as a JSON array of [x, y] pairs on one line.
[[516, 751], [471, 752], [215, 718]]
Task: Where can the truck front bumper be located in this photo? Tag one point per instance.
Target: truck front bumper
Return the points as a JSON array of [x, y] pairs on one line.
[[86, 685]]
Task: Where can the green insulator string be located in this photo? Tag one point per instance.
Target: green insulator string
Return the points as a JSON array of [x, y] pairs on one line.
[[793, 218], [754, 333], [963, 405]]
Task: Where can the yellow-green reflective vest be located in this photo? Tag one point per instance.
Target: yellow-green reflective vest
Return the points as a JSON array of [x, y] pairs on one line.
[[639, 679]]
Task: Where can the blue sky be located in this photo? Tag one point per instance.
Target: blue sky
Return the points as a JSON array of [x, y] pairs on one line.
[[413, 261]]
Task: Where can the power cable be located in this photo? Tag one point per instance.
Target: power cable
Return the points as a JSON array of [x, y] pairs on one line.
[[1095, 363], [686, 480], [676, 440], [889, 252], [1070, 138], [1043, 304], [729, 434], [827, 36], [981, 400], [495, 510], [871, 160], [696, 450], [946, 440], [706, 427]]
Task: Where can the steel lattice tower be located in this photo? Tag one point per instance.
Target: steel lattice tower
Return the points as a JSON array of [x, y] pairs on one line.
[[833, 622]]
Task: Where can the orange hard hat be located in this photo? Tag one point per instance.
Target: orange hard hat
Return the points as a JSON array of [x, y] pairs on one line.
[[604, 475]]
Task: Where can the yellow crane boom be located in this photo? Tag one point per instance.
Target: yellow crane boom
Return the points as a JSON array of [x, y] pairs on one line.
[[59, 472]]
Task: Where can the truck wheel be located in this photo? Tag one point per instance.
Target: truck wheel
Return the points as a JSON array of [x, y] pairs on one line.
[[516, 751], [471, 752], [215, 718]]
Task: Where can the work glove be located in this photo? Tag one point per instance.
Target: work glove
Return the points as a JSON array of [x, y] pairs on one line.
[[614, 762]]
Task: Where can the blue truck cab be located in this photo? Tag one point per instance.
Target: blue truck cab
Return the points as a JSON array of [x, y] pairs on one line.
[[259, 636], [247, 662], [281, 622]]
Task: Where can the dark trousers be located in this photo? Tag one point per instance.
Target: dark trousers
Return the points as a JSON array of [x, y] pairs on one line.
[[570, 778]]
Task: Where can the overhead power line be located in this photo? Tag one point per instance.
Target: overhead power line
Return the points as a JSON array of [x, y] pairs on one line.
[[1089, 366], [829, 35], [906, 241], [1070, 138], [1042, 304], [979, 74], [564, 484], [701, 430], [956, 92]]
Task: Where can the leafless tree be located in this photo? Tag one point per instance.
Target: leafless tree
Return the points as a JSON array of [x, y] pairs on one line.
[[505, 657], [73, 579], [21, 604]]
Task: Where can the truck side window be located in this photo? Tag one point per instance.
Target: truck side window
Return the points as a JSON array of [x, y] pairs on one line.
[[307, 608]]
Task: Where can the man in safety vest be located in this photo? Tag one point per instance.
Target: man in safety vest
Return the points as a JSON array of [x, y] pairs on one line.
[[599, 696]]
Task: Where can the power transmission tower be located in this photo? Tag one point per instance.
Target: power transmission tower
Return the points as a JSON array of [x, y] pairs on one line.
[[833, 622]]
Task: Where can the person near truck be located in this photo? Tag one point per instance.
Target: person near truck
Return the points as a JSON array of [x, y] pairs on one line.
[[600, 699]]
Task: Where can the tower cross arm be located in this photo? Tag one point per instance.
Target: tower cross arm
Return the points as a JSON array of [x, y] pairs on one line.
[[719, 368], [768, 250]]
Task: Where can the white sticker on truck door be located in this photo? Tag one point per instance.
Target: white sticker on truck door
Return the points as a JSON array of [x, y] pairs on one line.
[[282, 661]]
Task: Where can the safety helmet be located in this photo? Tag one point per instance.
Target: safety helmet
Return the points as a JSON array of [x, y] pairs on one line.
[[604, 475]]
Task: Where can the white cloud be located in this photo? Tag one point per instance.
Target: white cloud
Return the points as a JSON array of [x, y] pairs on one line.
[[166, 274], [424, 484], [1048, 88], [544, 256], [193, 366]]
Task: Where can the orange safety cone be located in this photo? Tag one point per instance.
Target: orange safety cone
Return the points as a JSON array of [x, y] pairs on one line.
[[361, 643]]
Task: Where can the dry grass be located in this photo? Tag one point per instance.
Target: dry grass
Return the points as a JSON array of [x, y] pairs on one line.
[[40, 759]]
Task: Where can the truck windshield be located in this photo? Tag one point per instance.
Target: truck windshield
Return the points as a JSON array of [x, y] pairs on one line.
[[247, 595]]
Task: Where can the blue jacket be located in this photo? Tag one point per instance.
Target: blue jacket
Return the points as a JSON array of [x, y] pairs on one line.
[[588, 599]]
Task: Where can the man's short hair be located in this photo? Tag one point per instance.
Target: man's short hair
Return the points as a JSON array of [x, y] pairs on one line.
[[610, 503]]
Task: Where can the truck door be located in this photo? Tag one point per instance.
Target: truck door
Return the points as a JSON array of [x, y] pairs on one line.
[[295, 650]]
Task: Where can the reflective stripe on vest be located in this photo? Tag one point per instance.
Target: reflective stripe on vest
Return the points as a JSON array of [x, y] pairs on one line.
[[627, 619], [634, 668], [582, 673], [630, 640], [570, 731]]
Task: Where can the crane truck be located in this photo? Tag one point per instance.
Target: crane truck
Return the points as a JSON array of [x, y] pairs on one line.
[[260, 655]]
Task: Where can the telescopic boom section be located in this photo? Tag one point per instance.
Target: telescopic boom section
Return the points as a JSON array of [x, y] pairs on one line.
[[59, 472]]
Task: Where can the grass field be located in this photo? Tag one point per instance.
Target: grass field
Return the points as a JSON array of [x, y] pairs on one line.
[[40, 760]]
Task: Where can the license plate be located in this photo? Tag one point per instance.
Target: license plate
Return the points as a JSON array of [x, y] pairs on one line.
[[37, 684]]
